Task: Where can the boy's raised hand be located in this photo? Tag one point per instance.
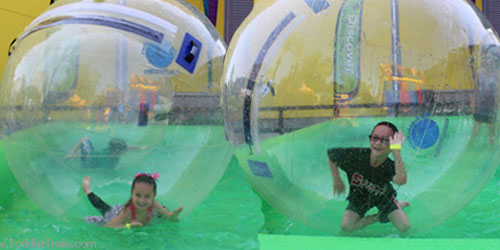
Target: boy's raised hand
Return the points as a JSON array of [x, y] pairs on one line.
[[398, 138]]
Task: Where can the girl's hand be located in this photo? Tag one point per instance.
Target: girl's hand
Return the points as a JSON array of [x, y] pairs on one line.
[[174, 216], [136, 223]]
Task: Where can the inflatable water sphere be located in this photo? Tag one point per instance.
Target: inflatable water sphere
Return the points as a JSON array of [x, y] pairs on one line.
[[138, 81], [302, 77]]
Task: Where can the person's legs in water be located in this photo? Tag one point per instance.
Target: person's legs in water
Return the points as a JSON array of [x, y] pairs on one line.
[[399, 218], [86, 150], [354, 217], [353, 221]]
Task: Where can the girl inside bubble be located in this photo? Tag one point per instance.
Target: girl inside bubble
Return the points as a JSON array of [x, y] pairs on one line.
[[137, 211]]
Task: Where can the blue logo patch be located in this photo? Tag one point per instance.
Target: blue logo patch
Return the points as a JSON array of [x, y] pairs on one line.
[[160, 56], [317, 5], [423, 133], [260, 169]]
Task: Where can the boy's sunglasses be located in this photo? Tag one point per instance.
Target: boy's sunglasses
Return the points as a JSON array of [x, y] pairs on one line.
[[375, 138]]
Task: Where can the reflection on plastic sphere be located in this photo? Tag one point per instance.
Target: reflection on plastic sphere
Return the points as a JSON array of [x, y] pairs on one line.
[[305, 76], [137, 80]]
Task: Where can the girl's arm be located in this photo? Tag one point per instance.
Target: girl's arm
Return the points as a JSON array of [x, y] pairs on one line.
[[120, 220], [396, 142], [171, 216]]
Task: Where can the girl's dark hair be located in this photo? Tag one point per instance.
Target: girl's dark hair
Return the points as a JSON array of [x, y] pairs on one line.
[[143, 178], [387, 124]]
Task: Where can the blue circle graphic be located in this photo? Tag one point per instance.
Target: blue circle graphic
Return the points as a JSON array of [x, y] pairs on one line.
[[424, 133], [159, 56]]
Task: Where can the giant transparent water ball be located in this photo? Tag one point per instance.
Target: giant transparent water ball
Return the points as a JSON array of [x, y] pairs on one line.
[[138, 81], [302, 77]]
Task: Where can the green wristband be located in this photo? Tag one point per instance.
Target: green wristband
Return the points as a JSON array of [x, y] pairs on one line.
[[395, 147]]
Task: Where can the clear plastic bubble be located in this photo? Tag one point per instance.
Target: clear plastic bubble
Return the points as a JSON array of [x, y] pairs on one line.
[[302, 77], [139, 80]]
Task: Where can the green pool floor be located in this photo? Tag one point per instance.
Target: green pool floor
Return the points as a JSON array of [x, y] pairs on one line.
[[225, 221], [290, 242]]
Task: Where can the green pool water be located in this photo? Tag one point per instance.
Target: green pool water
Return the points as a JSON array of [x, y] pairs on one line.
[[229, 218], [233, 216]]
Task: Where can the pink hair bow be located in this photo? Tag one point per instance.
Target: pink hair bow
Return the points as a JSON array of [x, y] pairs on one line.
[[154, 176]]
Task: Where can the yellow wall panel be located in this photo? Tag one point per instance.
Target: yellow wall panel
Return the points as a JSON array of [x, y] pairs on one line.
[[31, 8], [479, 4], [221, 18], [14, 16], [197, 4]]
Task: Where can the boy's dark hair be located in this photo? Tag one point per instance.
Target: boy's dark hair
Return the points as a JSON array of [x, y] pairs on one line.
[[387, 124], [116, 145]]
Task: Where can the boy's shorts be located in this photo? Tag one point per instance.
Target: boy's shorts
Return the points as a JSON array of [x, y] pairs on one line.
[[385, 207]]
